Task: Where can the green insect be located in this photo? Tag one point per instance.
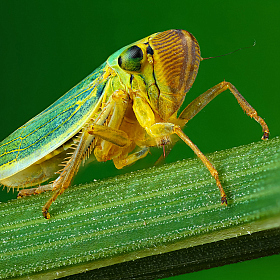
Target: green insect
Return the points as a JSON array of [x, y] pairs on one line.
[[118, 112]]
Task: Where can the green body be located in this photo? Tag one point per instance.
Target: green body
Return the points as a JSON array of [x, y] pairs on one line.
[[53, 127]]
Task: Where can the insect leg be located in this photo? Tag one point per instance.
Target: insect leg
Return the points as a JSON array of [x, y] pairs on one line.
[[119, 138], [204, 159], [114, 136], [72, 166], [123, 161], [159, 129], [201, 101], [33, 191], [110, 133]]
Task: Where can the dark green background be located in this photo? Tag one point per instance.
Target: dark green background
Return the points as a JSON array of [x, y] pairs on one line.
[[46, 47]]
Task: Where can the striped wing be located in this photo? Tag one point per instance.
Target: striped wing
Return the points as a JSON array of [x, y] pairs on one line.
[[52, 127]]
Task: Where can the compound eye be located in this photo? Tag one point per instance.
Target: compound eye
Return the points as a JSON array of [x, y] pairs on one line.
[[130, 59]]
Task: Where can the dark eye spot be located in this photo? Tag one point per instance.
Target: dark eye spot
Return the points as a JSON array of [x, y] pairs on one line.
[[120, 60], [130, 59]]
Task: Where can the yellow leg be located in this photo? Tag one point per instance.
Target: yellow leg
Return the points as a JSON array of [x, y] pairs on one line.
[[117, 100], [105, 150], [121, 162], [114, 136], [111, 134], [201, 101], [160, 129], [38, 190], [71, 168], [204, 159]]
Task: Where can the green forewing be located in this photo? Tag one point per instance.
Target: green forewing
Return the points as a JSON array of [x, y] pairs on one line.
[[52, 127]]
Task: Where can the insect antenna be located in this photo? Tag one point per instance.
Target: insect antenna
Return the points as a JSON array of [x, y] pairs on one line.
[[230, 52]]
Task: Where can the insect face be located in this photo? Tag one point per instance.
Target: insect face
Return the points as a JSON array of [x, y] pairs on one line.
[[176, 61], [168, 63]]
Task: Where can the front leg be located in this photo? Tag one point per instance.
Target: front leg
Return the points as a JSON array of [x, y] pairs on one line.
[[162, 130], [201, 101]]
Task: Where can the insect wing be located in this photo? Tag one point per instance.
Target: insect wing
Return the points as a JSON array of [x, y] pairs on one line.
[[52, 127]]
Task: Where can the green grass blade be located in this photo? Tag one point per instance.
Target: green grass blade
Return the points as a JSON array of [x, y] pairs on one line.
[[141, 214]]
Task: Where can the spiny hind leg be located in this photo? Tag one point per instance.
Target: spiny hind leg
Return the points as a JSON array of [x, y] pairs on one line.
[[201, 101], [115, 108], [129, 160], [39, 173]]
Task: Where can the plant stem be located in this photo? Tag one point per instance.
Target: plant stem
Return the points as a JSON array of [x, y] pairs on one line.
[[145, 213]]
